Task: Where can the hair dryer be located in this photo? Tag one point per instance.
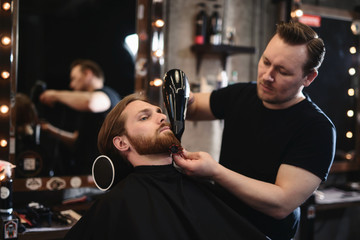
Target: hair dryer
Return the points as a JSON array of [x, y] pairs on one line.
[[176, 91]]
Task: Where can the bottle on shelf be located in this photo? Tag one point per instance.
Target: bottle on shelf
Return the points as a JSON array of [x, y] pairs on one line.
[[234, 77], [221, 80], [215, 26], [201, 24]]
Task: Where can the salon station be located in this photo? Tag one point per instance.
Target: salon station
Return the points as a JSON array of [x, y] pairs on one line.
[[216, 43]]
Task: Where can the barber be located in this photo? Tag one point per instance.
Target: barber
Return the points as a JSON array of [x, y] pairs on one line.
[[277, 145], [92, 100]]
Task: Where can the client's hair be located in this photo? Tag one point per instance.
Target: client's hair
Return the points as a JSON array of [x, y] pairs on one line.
[[114, 125]]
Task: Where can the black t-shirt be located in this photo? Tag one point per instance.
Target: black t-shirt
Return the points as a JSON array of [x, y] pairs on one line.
[[257, 140], [89, 124], [158, 202]]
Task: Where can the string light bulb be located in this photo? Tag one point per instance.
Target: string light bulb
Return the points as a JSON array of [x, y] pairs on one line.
[[5, 74], [6, 6], [352, 71], [158, 53], [349, 156], [296, 11], [350, 113], [4, 109], [351, 92], [352, 50], [3, 143], [157, 82], [349, 134], [5, 41], [159, 23]]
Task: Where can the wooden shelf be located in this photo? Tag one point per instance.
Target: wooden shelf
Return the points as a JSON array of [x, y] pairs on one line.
[[223, 51]]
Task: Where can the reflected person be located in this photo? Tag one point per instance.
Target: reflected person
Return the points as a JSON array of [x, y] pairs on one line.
[[277, 144], [92, 100]]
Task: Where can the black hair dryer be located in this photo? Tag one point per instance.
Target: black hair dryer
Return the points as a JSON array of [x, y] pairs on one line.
[[176, 91]]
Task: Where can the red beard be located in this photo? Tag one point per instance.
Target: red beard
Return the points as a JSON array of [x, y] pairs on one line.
[[154, 145]]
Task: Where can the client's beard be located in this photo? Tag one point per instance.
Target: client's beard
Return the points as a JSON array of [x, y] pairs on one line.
[[150, 145]]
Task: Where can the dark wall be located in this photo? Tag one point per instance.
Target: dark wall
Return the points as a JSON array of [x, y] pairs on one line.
[[54, 33]]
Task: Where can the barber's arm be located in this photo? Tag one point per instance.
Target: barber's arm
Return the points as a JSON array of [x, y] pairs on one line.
[[79, 100], [69, 138], [292, 187], [199, 107]]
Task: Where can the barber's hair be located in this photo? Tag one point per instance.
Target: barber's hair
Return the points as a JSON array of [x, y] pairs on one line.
[[114, 125], [86, 64], [296, 33]]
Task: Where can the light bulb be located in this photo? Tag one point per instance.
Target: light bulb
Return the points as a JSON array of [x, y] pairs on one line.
[[4, 109], [6, 6], [3, 143], [5, 74], [159, 23], [5, 41]]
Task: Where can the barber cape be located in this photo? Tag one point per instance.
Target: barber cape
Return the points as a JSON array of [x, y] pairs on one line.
[[158, 202]]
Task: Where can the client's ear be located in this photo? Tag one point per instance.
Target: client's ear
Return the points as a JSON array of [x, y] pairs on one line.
[[121, 143]]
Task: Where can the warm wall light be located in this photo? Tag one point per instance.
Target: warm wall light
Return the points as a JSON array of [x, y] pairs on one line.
[[352, 50], [350, 113], [159, 23], [156, 82], [352, 71], [6, 6], [5, 40], [158, 53], [349, 134], [296, 11], [3, 143], [349, 156], [351, 92], [4, 109], [5, 74]]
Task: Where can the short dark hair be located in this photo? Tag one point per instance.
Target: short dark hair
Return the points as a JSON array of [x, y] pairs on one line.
[[296, 33], [89, 64]]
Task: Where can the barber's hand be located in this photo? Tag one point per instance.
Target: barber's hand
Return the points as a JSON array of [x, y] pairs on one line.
[[199, 164], [48, 97]]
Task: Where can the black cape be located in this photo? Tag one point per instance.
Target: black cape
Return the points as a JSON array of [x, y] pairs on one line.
[[158, 202]]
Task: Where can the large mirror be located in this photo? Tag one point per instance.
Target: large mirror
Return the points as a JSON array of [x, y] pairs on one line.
[[336, 87], [52, 34]]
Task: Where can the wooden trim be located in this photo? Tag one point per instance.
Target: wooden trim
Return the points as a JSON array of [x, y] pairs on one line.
[[52, 183]]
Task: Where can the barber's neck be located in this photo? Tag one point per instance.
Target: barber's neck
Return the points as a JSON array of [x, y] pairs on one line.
[[151, 159]]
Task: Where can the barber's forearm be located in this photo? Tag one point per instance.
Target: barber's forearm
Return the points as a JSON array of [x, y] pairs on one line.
[[74, 99], [265, 197], [199, 107], [66, 137]]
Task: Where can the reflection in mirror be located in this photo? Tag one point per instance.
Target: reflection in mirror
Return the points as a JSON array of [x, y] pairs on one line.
[[51, 36], [335, 87]]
